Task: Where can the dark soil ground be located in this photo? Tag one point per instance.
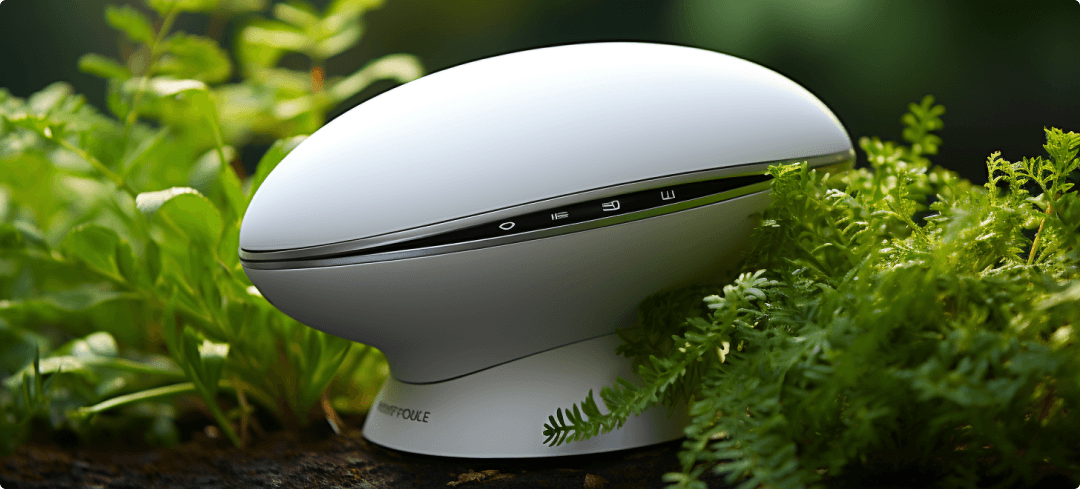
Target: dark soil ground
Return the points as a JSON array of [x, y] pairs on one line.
[[318, 458]]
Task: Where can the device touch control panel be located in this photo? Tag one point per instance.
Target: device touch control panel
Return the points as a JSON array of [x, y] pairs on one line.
[[580, 212]]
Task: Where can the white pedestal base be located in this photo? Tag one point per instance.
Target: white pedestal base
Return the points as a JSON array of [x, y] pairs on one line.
[[500, 412]]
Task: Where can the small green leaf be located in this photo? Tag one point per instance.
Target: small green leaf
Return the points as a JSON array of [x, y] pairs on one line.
[[96, 247], [255, 57], [351, 8], [99, 344], [169, 87], [152, 260], [82, 298], [131, 22], [205, 360], [204, 173], [98, 65], [126, 264], [194, 57], [49, 98], [10, 237], [398, 67], [170, 332], [345, 38], [35, 123], [298, 107], [165, 6], [241, 6], [188, 217], [149, 202], [59, 364], [317, 366], [1062, 147], [71, 306], [276, 35], [227, 252], [184, 103], [212, 355], [299, 14], [18, 347], [217, 180]]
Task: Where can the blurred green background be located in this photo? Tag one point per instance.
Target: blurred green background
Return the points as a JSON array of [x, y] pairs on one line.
[[1003, 69]]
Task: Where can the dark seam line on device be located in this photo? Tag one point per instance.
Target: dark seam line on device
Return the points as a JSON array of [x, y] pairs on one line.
[[322, 262], [451, 238], [502, 241], [842, 156]]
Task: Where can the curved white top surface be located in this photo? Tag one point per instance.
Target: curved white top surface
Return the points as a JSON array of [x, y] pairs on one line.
[[529, 126]]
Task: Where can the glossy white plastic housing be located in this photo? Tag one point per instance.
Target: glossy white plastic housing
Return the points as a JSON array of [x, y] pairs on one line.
[[530, 126], [487, 325], [501, 411]]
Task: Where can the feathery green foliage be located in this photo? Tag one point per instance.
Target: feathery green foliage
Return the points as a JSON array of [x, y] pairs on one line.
[[119, 233], [879, 330]]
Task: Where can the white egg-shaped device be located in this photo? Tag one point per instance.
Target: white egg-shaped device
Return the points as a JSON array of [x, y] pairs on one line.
[[490, 226]]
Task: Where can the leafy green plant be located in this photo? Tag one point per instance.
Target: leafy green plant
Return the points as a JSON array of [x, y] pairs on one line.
[[877, 330], [890, 319], [119, 234], [282, 102], [18, 406]]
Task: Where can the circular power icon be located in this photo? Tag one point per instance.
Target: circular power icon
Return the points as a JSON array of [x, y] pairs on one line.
[[506, 226]]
